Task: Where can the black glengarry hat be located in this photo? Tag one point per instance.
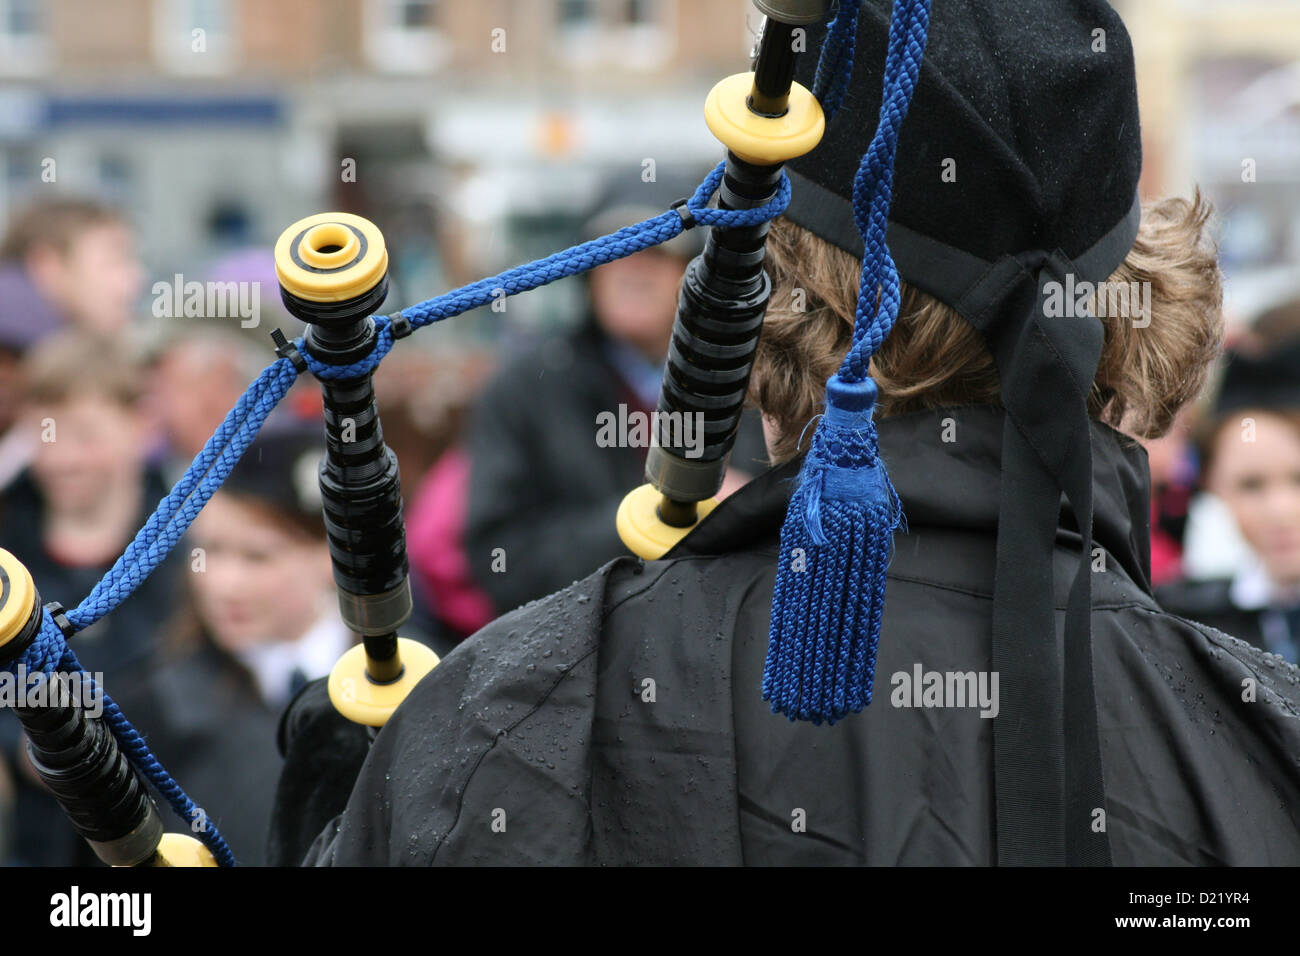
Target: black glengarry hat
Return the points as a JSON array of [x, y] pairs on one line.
[[1023, 134]]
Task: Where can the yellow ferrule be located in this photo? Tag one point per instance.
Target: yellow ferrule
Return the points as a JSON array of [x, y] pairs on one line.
[[17, 595], [764, 140], [641, 529], [330, 257]]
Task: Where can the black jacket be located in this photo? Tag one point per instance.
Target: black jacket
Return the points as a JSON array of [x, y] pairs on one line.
[[538, 741], [541, 489], [216, 737]]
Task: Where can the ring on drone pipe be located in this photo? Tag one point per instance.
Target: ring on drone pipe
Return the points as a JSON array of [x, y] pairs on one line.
[[363, 701], [331, 257], [644, 531], [333, 272], [177, 849], [756, 138], [20, 618], [78, 758]]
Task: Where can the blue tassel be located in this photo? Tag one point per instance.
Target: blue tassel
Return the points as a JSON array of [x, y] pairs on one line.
[[836, 544], [838, 534]]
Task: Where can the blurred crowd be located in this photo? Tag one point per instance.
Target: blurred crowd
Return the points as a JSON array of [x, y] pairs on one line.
[[507, 495]]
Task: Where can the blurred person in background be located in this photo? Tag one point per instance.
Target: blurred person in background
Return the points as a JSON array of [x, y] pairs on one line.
[[261, 621], [437, 406], [1172, 460], [197, 376], [542, 493], [79, 257], [1250, 449], [25, 319], [68, 517], [62, 261]]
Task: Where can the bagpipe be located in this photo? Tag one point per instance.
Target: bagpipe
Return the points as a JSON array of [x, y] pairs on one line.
[[333, 274]]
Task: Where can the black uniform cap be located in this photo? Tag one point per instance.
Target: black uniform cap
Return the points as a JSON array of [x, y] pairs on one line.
[[1268, 382], [280, 469], [1029, 106]]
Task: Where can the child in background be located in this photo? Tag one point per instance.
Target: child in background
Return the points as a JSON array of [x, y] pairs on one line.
[[64, 263], [262, 621], [1251, 454], [68, 517]]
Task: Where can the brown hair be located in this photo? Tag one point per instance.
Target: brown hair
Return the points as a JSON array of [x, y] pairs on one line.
[[72, 364], [55, 223], [933, 358]]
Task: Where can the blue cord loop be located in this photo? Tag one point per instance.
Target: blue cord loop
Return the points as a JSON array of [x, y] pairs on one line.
[[177, 510], [837, 539]]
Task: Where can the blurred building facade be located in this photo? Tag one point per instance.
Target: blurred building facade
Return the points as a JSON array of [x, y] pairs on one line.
[[473, 130], [215, 123], [1219, 82]]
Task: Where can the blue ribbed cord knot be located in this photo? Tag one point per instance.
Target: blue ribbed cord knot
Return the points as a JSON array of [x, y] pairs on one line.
[[174, 514], [363, 366], [837, 539], [844, 460]]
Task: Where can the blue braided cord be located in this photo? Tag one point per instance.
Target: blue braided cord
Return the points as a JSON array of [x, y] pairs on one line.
[[362, 366], [879, 293], [138, 753], [835, 63], [597, 252], [568, 262]]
